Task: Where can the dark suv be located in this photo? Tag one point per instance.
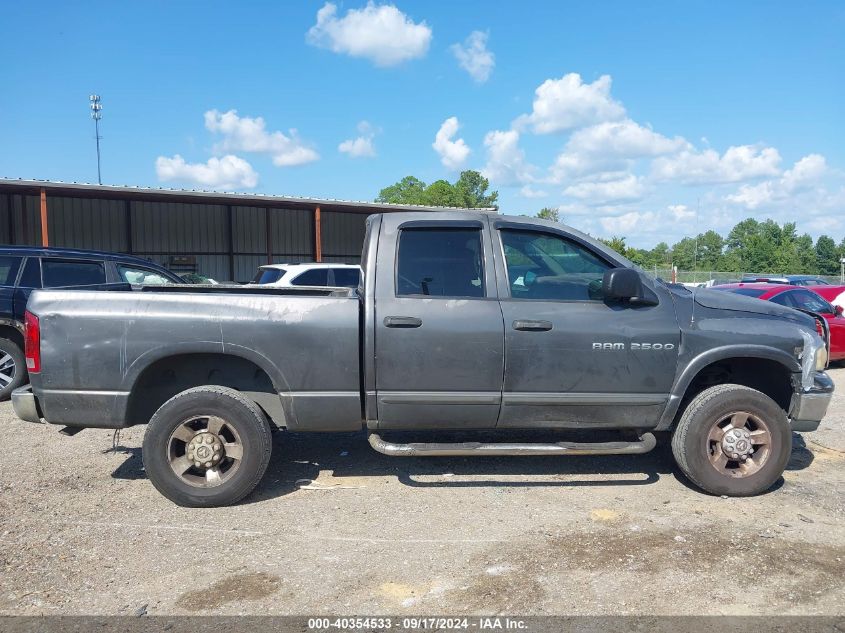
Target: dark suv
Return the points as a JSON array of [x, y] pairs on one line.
[[24, 268]]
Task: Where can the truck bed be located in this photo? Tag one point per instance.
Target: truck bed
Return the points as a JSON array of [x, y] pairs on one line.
[[297, 350]]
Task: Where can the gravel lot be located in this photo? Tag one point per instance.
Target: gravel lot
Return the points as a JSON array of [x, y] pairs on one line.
[[83, 532]]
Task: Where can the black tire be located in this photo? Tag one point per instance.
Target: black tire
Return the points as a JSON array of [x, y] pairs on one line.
[[16, 374], [692, 445], [240, 414]]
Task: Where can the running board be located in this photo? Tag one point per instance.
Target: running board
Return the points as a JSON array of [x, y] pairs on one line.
[[419, 449]]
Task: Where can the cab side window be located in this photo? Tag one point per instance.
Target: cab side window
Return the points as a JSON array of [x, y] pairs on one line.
[[440, 262], [549, 267]]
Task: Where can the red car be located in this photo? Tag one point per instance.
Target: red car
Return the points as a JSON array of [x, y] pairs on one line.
[[803, 299]]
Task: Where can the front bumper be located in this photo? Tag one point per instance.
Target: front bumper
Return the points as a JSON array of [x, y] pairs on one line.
[[26, 404], [809, 407]]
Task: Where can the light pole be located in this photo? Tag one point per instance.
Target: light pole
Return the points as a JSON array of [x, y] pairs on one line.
[[97, 114]]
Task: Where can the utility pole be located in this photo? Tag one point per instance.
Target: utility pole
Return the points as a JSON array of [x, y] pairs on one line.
[[97, 114]]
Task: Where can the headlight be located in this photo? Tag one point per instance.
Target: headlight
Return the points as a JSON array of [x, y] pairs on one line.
[[813, 358], [821, 358]]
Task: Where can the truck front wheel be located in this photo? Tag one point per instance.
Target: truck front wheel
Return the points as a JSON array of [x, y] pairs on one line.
[[207, 447], [732, 440]]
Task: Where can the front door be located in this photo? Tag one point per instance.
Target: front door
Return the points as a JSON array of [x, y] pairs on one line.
[[438, 326], [572, 359]]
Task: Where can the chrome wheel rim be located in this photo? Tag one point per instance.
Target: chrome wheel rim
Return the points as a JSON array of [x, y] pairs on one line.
[[205, 451], [739, 444], [8, 369]]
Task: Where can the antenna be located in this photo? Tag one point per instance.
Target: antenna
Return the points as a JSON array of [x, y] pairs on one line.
[[97, 114]]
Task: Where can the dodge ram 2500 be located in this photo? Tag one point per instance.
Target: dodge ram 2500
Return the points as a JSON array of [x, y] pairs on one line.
[[463, 321]]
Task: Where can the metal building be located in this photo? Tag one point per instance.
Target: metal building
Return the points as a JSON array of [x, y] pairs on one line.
[[220, 235]]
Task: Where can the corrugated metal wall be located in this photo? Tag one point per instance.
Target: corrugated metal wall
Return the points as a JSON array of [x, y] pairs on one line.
[[5, 220], [343, 236], [87, 223], [24, 213], [160, 230]]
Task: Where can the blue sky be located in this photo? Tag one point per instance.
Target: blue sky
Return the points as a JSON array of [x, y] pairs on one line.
[[627, 116]]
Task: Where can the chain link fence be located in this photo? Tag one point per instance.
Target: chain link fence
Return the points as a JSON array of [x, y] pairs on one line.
[[711, 278]]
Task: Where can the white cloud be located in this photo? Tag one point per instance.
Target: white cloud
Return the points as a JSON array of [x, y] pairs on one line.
[[738, 163], [681, 212], [247, 134], [627, 188], [567, 103], [380, 33], [627, 222], [611, 146], [505, 159], [453, 154], [361, 146], [226, 172], [528, 191], [804, 174], [474, 57]]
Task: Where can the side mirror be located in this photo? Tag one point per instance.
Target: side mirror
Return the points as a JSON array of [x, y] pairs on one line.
[[619, 284], [838, 310]]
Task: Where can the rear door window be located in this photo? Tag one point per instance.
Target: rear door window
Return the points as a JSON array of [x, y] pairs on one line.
[[9, 267], [65, 272], [313, 277], [440, 262]]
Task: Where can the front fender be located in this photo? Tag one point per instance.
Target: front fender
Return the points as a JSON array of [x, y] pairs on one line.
[[692, 368]]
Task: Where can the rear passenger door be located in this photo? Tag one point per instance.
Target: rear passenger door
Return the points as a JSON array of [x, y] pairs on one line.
[[439, 348]]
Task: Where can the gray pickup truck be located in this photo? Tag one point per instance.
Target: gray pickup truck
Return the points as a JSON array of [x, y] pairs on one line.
[[463, 322]]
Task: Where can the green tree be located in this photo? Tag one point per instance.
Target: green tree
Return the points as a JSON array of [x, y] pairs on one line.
[[683, 254], [615, 243], [409, 190], [807, 254], [709, 255], [549, 213], [440, 193], [827, 256], [471, 188]]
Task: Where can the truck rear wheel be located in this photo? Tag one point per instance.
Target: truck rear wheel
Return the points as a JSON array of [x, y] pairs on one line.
[[732, 440], [12, 368], [207, 447]]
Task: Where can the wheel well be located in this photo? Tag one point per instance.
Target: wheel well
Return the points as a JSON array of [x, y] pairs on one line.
[[14, 335], [166, 377], [767, 376]]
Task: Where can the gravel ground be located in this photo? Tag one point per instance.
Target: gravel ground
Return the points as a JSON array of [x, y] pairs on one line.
[[83, 532]]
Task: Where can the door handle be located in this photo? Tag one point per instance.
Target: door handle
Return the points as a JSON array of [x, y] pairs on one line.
[[402, 321], [532, 326]]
